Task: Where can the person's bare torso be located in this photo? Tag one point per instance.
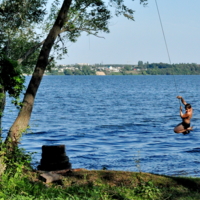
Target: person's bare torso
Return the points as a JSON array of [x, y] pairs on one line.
[[188, 118]]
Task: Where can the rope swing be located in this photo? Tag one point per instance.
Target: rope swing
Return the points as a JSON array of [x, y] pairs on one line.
[[166, 46]]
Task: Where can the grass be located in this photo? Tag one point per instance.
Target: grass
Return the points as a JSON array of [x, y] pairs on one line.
[[20, 182], [101, 184]]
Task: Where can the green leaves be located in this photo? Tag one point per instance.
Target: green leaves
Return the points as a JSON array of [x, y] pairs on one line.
[[11, 78], [16, 13], [18, 20]]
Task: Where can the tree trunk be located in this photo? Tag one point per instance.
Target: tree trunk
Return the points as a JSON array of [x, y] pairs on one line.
[[30, 52], [22, 121], [2, 106]]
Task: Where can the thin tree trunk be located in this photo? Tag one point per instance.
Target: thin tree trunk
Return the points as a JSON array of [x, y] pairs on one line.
[[30, 52], [22, 121], [2, 106]]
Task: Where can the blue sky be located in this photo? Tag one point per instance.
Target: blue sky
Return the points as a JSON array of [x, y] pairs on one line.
[[128, 41]]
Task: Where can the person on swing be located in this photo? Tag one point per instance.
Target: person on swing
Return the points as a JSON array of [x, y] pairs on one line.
[[184, 126]]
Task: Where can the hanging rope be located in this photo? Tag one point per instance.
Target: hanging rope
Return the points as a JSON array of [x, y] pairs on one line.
[[166, 46]]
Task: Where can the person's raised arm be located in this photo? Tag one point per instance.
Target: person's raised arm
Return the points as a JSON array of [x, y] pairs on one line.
[[182, 100], [183, 115]]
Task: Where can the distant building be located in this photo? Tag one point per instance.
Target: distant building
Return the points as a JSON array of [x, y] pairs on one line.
[[83, 64], [100, 73]]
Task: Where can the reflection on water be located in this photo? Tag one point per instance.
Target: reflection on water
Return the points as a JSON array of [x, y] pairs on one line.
[[114, 121]]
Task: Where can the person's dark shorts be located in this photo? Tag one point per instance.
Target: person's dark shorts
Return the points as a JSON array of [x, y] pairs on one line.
[[185, 125]]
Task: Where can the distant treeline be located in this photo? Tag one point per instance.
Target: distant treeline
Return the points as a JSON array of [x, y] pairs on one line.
[[85, 70], [140, 69], [167, 69]]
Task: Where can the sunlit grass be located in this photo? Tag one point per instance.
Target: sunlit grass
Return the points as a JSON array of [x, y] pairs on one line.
[[20, 182]]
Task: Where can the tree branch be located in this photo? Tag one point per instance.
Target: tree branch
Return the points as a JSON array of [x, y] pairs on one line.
[[30, 52]]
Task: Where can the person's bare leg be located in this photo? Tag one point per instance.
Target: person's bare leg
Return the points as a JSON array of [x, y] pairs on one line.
[[179, 129], [190, 128], [182, 131]]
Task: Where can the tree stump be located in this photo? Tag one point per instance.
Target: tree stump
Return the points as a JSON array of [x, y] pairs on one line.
[[54, 158]]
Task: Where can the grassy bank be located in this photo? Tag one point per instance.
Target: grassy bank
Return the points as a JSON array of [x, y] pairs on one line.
[[92, 185], [20, 182]]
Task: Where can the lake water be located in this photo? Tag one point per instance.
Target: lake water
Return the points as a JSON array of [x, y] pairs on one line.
[[118, 122]]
